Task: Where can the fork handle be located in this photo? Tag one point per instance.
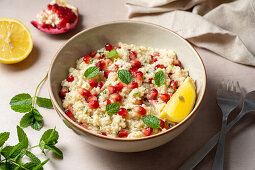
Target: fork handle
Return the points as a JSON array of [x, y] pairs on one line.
[[219, 156]]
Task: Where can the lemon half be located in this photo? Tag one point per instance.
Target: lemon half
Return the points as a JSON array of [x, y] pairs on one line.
[[181, 103], [15, 41]]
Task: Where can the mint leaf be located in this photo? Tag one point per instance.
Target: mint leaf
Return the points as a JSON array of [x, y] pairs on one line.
[[26, 120], [16, 150], [6, 150], [91, 72], [32, 157], [151, 121], [6, 166], [30, 165], [36, 124], [44, 102], [22, 137], [41, 165], [112, 53], [4, 137], [21, 99], [37, 115], [21, 108], [160, 78], [50, 137], [125, 76], [112, 108], [55, 150]]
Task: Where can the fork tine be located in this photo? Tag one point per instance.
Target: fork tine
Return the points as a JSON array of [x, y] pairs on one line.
[[232, 88], [238, 89]]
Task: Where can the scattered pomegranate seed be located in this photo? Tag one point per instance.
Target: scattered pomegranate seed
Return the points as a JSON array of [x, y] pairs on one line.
[[101, 64], [123, 112], [100, 84], [87, 59], [70, 78], [84, 92], [139, 76], [108, 47], [108, 61], [147, 131], [83, 125], [93, 104], [132, 85], [111, 89], [103, 133], [108, 102], [176, 62], [138, 102], [164, 97], [152, 95], [92, 83], [173, 84], [162, 124], [116, 97], [150, 80], [119, 47], [133, 70], [119, 87], [136, 64], [170, 75], [91, 98], [140, 110], [70, 115], [116, 67], [123, 133], [160, 66], [106, 73], [101, 57], [132, 55], [62, 92], [153, 59], [93, 54]]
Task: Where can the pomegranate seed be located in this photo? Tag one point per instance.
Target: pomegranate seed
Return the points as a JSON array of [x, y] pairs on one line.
[[147, 131], [108, 102], [111, 89], [70, 115], [119, 47], [150, 80], [116, 97], [138, 102], [101, 57], [160, 66], [49, 7], [162, 124], [70, 78], [140, 110], [62, 92], [153, 59], [176, 62], [170, 75], [132, 85], [101, 64], [62, 23], [132, 55], [119, 87], [116, 67], [100, 84], [92, 83], [84, 92], [106, 73], [164, 97], [87, 59], [136, 64], [133, 70], [83, 125], [108, 47], [91, 98], [123, 112], [103, 133], [152, 95], [123, 133], [173, 84], [94, 104], [139, 76], [93, 54], [108, 61]]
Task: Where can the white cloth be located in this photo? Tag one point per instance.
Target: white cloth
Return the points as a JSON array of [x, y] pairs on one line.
[[226, 27]]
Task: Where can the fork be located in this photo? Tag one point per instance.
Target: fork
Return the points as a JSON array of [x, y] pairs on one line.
[[248, 106], [228, 98]]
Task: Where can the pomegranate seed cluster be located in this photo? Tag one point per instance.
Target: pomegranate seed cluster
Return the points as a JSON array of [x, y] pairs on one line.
[[97, 82]]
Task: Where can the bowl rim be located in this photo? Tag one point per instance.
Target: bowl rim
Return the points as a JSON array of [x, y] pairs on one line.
[[76, 125]]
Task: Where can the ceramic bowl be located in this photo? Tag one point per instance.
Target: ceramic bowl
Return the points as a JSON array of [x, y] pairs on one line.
[[130, 32]]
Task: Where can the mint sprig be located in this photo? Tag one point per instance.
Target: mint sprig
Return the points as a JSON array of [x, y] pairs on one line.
[[151, 121], [112, 54], [24, 103], [91, 72], [125, 76], [11, 157], [112, 108], [160, 78]]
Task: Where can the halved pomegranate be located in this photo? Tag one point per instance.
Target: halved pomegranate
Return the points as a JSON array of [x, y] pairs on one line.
[[59, 17]]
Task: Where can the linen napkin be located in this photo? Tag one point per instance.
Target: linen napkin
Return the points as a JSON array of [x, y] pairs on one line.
[[226, 27]]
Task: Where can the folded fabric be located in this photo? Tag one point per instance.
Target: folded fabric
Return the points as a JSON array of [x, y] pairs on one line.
[[226, 27]]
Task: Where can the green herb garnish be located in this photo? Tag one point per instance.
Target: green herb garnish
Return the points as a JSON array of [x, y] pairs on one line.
[[160, 78], [24, 103], [151, 121], [125, 76], [112, 54], [91, 72], [135, 94], [91, 61], [112, 108]]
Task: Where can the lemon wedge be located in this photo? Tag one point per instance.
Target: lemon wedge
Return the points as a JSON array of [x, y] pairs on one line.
[[181, 103], [15, 41]]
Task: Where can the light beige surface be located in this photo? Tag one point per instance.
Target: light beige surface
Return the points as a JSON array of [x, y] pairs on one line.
[[23, 77]]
